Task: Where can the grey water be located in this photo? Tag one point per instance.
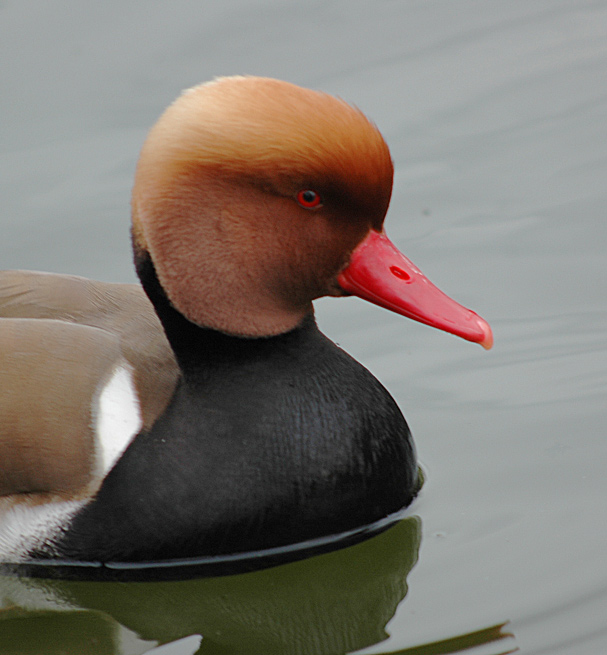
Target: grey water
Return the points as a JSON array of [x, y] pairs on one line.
[[496, 115]]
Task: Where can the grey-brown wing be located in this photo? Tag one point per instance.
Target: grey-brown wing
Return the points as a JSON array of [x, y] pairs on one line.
[[122, 310], [51, 376]]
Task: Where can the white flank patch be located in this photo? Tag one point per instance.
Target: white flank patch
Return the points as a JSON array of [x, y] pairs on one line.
[[25, 527], [118, 418]]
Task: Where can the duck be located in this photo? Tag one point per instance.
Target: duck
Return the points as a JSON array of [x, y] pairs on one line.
[[202, 411]]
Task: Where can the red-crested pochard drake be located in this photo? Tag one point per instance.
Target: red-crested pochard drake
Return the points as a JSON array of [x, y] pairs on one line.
[[215, 417]]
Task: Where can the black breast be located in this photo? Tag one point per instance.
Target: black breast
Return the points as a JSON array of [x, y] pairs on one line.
[[266, 442]]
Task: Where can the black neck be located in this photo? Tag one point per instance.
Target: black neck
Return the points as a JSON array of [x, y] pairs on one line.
[[194, 345]]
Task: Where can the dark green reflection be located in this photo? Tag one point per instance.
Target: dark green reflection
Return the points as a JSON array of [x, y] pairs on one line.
[[332, 603], [460, 643]]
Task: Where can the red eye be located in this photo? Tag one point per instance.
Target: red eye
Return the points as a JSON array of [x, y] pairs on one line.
[[309, 199]]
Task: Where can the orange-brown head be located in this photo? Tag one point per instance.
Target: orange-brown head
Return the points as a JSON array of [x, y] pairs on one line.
[[253, 197], [217, 200]]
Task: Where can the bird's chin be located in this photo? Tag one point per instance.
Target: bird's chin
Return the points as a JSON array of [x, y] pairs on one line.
[[335, 290]]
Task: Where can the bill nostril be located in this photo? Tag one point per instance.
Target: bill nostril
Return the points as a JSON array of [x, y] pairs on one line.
[[398, 272]]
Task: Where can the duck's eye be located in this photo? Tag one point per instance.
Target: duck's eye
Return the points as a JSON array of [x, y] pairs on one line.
[[309, 199]]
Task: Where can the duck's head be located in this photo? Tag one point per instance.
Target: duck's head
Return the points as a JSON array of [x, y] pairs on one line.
[[253, 197]]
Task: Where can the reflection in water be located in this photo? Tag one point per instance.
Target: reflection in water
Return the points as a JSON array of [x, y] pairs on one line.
[[493, 636], [332, 603]]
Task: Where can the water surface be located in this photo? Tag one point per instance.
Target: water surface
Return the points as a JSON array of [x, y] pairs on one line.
[[495, 114]]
